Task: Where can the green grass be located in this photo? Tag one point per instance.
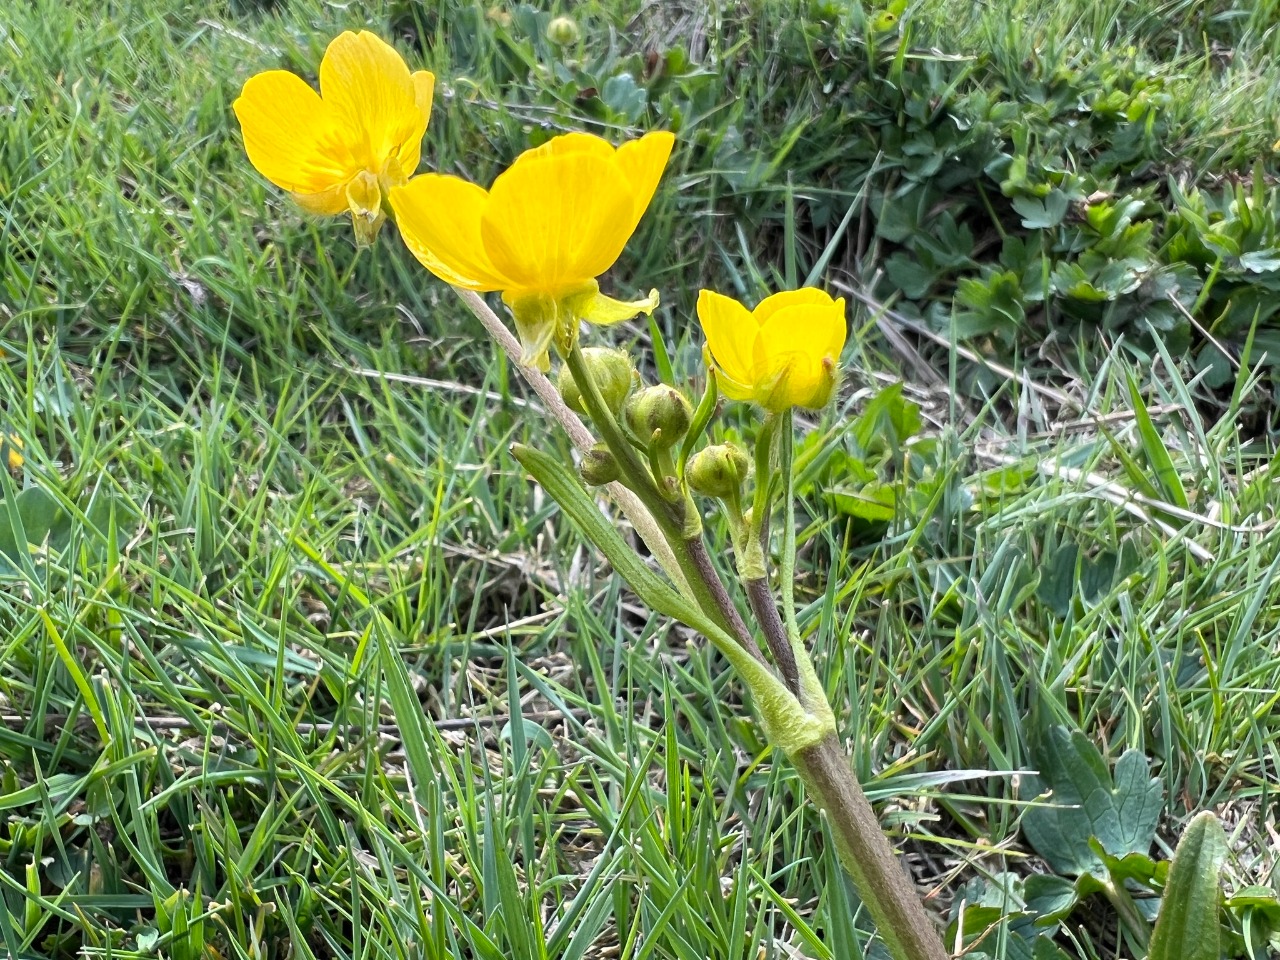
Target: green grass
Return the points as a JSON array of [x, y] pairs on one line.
[[315, 671]]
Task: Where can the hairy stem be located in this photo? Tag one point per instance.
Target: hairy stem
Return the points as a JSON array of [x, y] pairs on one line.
[[637, 514], [775, 634], [715, 586], [886, 890]]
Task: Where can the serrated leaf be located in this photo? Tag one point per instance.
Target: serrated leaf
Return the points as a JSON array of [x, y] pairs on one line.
[[1187, 927], [1041, 214], [1085, 801], [1261, 261], [910, 276]]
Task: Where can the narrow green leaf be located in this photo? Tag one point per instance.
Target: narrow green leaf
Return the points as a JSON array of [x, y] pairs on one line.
[[78, 678], [407, 710], [666, 373], [701, 417], [1156, 452], [1187, 926]]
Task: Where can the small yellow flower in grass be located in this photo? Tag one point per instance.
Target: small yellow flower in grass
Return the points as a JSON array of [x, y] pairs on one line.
[[782, 354], [554, 221], [12, 446], [344, 148]]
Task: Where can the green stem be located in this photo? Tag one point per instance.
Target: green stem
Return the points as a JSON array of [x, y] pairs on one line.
[[803, 732], [690, 552], [751, 563], [1130, 916], [787, 569], [882, 883]]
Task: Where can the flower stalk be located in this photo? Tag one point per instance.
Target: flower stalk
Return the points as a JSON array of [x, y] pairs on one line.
[[797, 716], [689, 551]]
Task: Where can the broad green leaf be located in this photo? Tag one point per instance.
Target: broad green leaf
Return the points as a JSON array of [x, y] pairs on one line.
[[875, 502], [1058, 579], [1137, 867], [1046, 949], [1084, 801], [1050, 898], [887, 422], [1187, 927], [624, 96], [1041, 214]]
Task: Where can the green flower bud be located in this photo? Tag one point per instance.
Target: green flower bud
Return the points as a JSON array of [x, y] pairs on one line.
[[613, 375], [718, 470], [563, 31], [659, 415], [599, 466]]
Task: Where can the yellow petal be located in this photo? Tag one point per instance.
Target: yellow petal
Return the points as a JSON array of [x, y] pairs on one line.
[[284, 123], [12, 447], [805, 296], [410, 151], [731, 335], [731, 388], [604, 311], [569, 143], [367, 86], [328, 203], [813, 327], [836, 327], [799, 345], [556, 220], [439, 219], [643, 161]]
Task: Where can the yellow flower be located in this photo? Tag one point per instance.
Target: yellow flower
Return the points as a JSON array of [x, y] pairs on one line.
[[12, 446], [555, 220], [782, 354], [344, 148]]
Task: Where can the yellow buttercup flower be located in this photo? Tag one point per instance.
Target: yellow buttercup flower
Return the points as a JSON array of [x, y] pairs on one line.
[[782, 354], [12, 447], [554, 221], [344, 148]]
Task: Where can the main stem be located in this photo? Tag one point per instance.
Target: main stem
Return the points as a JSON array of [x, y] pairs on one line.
[[885, 889]]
